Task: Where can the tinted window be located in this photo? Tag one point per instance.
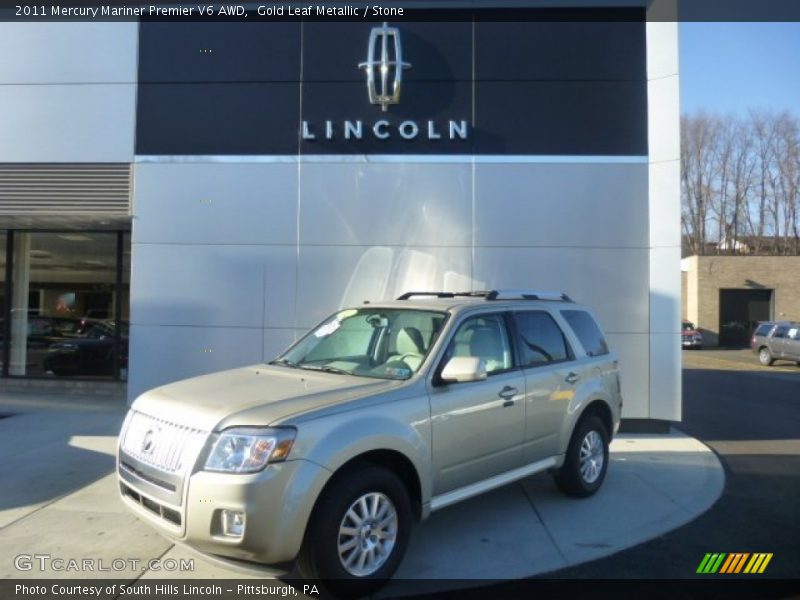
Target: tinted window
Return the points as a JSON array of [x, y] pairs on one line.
[[763, 329], [541, 339], [794, 333], [780, 332], [587, 331], [485, 337]]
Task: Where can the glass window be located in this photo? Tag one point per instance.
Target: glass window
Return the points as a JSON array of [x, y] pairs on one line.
[[64, 305], [794, 333], [588, 332], [485, 337], [541, 339], [763, 329], [368, 342], [780, 332]]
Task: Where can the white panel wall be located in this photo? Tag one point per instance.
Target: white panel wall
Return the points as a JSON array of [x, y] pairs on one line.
[[222, 248], [68, 92], [664, 221], [578, 205]]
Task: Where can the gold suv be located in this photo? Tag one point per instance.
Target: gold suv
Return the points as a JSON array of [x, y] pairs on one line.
[[377, 417]]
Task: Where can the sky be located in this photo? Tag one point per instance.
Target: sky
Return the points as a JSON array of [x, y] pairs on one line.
[[728, 68]]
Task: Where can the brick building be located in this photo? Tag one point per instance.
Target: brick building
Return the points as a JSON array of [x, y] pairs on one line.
[[725, 296]]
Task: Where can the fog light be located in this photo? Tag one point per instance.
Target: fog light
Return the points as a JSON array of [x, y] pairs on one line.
[[232, 523]]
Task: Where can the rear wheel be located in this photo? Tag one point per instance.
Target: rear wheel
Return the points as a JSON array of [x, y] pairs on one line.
[[765, 357], [358, 533], [586, 462]]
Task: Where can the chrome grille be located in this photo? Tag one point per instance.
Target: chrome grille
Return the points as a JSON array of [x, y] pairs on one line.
[[161, 444]]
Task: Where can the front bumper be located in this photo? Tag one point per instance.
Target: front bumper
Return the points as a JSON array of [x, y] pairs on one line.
[[276, 502]]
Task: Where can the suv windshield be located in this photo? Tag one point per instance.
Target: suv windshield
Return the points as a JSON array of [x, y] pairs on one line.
[[370, 342]]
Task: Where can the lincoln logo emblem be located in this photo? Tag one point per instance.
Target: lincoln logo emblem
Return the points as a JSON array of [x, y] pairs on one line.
[[385, 73]]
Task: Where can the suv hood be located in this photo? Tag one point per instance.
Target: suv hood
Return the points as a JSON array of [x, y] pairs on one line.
[[268, 393]]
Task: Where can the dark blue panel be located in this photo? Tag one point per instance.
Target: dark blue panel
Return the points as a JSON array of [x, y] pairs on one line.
[[217, 118], [588, 51], [201, 52], [570, 118]]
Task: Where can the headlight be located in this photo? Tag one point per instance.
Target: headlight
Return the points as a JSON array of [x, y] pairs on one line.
[[247, 450]]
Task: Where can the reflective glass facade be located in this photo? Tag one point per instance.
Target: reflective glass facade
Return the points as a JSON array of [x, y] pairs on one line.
[[65, 304]]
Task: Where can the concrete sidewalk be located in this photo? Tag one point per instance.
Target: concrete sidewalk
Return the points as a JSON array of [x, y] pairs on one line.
[[59, 498]]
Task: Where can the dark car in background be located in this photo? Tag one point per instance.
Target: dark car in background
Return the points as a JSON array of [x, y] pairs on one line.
[[777, 340], [691, 336], [92, 353]]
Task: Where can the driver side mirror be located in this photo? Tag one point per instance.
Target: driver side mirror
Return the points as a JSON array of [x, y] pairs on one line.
[[463, 369]]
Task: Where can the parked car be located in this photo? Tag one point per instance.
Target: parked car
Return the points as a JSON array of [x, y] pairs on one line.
[[92, 353], [377, 417], [777, 340], [691, 337]]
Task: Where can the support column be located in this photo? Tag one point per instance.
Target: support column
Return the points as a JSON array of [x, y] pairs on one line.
[[19, 304]]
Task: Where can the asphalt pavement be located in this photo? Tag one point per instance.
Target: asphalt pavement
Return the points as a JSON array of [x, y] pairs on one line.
[[750, 416]]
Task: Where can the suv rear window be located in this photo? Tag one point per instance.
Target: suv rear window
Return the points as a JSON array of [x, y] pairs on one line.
[[763, 329], [587, 331], [542, 340], [780, 332]]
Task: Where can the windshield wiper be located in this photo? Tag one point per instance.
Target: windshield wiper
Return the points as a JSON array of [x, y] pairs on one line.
[[325, 368], [284, 362]]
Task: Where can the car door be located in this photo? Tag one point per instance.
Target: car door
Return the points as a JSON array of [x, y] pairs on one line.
[[550, 376], [477, 427], [777, 343], [792, 343]]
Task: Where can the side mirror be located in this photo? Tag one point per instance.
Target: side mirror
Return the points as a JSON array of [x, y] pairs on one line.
[[462, 369]]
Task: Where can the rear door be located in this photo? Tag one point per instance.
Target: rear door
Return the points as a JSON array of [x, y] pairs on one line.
[[477, 427], [550, 376], [792, 343], [777, 343]]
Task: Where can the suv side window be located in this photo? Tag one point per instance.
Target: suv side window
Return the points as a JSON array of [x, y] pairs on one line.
[[794, 333], [541, 339], [780, 332], [486, 337], [587, 331], [763, 329]]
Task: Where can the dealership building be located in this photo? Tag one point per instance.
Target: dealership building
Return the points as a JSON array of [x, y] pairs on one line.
[[201, 192]]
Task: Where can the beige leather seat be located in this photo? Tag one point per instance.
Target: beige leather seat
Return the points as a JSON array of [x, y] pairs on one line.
[[487, 344], [410, 347]]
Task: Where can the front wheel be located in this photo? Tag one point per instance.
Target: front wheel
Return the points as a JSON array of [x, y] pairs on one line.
[[765, 357], [358, 532], [586, 461]]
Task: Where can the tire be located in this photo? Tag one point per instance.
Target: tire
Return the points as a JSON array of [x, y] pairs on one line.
[[765, 357], [320, 557], [590, 440]]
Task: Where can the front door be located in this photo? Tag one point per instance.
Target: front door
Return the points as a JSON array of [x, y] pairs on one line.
[[478, 427]]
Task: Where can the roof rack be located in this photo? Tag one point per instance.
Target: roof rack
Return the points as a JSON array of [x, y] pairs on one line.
[[494, 295]]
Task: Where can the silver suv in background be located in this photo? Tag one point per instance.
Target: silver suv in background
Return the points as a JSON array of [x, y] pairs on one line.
[[777, 340], [380, 415]]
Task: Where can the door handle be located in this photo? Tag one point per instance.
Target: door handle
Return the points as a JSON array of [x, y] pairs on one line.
[[507, 394], [572, 378]]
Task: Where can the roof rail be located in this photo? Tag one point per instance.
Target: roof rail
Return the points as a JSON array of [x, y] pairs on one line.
[[527, 295], [494, 295]]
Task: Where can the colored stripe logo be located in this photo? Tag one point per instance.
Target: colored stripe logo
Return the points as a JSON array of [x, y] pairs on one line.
[[734, 563]]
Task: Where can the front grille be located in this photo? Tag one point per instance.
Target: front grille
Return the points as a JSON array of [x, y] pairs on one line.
[[171, 515], [149, 478], [161, 444]]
